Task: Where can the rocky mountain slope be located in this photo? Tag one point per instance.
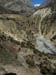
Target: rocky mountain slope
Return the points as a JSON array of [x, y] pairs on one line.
[[10, 2], [28, 43], [17, 5], [45, 22], [46, 4]]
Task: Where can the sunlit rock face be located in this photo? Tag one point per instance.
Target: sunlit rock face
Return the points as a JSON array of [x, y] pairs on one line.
[[44, 45], [45, 22]]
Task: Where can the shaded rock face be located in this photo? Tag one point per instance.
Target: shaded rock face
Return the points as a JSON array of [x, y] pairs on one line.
[[47, 3], [23, 1], [51, 1], [26, 2], [17, 6], [10, 74]]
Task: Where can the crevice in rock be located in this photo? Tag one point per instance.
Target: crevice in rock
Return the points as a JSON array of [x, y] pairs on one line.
[[10, 74]]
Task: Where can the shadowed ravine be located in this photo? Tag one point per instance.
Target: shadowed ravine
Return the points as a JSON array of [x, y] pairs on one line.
[[44, 45]]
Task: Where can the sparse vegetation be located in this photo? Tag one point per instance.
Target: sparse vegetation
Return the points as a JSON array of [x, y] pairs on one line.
[[18, 37], [30, 61]]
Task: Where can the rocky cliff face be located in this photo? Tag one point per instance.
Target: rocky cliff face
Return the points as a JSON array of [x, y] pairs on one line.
[[11, 1], [28, 43], [45, 22], [17, 5], [47, 3]]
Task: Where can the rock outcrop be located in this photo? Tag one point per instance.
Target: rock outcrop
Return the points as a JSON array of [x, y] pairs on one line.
[[21, 6], [45, 22], [47, 3]]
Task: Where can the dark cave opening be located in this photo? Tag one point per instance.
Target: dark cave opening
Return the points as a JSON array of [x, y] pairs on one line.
[[10, 74], [53, 38]]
